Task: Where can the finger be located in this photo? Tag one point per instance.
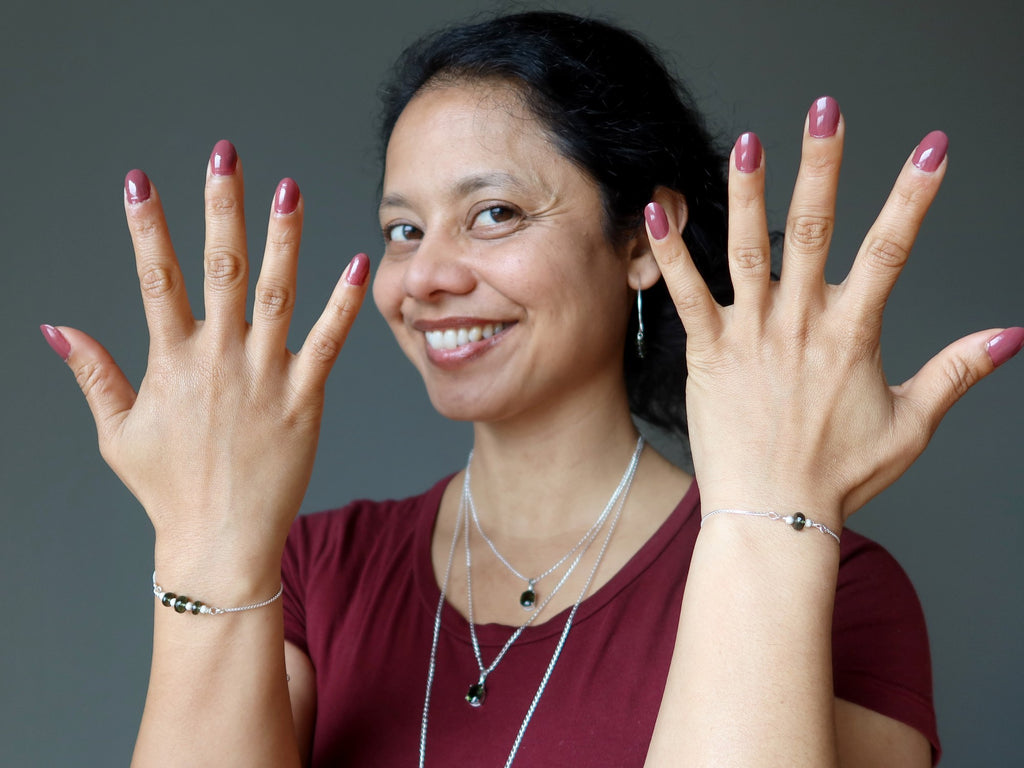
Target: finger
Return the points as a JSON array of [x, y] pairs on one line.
[[107, 391], [811, 218], [887, 246], [275, 289], [225, 258], [168, 314], [749, 245], [931, 392], [325, 340], [694, 304]]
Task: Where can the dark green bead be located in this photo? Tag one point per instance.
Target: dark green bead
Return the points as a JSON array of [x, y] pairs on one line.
[[528, 599], [799, 521], [477, 694], [167, 598], [195, 608], [179, 604]]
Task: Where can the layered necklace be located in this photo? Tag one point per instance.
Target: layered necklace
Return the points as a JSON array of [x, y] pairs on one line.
[[478, 691]]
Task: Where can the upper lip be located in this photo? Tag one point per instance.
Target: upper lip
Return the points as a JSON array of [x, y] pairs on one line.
[[454, 322]]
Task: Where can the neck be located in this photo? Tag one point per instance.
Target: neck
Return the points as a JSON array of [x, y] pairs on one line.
[[553, 473]]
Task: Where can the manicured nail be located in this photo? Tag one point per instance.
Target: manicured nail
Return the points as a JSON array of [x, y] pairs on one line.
[[657, 221], [1005, 345], [223, 158], [823, 118], [748, 152], [931, 151], [286, 200], [56, 340], [136, 187], [358, 269]]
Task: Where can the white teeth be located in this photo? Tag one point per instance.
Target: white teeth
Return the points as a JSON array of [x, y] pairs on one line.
[[452, 338]]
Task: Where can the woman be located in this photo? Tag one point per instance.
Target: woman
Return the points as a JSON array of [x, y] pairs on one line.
[[541, 171]]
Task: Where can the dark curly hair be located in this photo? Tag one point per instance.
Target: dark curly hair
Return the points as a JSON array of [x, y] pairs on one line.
[[612, 108]]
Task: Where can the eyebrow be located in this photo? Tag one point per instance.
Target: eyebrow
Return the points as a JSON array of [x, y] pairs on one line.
[[465, 186]]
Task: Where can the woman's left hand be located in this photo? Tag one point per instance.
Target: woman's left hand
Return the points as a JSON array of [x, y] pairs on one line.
[[787, 404]]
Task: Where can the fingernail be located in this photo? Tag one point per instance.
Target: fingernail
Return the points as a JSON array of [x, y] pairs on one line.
[[136, 187], [823, 118], [931, 151], [56, 340], [1005, 345], [748, 152], [358, 269], [286, 200], [657, 221], [223, 158]]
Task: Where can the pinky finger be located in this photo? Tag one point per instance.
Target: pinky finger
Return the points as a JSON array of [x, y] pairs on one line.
[[327, 337], [944, 379], [107, 391]]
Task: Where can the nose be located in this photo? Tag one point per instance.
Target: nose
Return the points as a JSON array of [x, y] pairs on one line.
[[438, 266]]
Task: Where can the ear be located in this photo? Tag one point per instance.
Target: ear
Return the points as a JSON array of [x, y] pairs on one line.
[[643, 269]]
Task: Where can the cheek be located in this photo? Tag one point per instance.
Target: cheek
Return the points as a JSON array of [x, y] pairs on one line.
[[387, 290]]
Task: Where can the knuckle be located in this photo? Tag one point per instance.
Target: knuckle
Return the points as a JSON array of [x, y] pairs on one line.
[[960, 375], [145, 228], [887, 253], [221, 205], [809, 233], [91, 381], [272, 300], [749, 258], [224, 267], [689, 303], [324, 348], [156, 281]]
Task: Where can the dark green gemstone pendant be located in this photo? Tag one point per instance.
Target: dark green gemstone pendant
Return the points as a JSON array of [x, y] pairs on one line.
[[799, 521], [529, 598], [477, 693]]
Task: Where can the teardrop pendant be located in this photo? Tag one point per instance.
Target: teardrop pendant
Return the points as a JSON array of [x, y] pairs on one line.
[[477, 693], [528, 598]]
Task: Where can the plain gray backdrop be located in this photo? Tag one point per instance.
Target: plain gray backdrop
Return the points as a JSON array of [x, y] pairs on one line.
[[90, 90]]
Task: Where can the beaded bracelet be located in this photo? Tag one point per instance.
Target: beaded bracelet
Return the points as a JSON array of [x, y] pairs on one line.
[[182, 604], [797, 521]]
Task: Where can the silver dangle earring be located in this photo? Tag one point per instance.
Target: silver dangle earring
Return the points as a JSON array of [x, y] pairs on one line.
[[641, 349]]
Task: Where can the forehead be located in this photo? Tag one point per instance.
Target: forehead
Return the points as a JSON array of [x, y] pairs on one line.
[[459, 136]]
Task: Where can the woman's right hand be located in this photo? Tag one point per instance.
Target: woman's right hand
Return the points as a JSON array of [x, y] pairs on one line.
[[218, 443]]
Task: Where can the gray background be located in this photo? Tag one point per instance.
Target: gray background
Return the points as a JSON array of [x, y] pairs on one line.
[[90, 90]]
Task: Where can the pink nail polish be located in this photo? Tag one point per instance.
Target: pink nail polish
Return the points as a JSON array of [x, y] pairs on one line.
[[931, 151], [657, 221], [136, 187], [823, 118], [286, 200], [1005, 345], [358, 269], [223, 158], [56, 340], [748, 152]]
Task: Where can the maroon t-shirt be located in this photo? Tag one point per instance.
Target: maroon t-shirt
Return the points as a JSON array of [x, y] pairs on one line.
[[361, 596]]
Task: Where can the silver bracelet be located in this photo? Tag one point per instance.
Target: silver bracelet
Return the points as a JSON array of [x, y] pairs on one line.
[[182, 604], [798, 521]]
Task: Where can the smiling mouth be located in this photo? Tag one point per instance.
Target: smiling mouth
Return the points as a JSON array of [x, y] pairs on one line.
[[453, 338]]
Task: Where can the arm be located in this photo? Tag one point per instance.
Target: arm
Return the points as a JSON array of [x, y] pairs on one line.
[[218, 446], [789, 411]]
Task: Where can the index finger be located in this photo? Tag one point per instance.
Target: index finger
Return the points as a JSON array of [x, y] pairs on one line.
[[886, 248], [168, 313]]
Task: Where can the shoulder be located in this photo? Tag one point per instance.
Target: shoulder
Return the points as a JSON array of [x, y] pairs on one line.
[[880, 651]]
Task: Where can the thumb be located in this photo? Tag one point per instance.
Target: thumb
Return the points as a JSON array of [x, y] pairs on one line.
[[104, 385], [945, 378]]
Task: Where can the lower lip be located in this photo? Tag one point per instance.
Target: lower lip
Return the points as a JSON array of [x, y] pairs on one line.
[[450, 359]]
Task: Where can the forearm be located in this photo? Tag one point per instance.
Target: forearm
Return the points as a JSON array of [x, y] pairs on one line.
[[751, 675], [217, 693]]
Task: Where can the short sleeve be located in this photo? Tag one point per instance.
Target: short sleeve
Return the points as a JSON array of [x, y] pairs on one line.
[[293, 577], [880, 654]]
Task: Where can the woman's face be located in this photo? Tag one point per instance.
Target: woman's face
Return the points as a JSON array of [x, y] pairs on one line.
[[497, 279]]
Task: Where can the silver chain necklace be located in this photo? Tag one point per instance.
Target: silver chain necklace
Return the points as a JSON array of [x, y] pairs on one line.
[[622, 492], [528, 598]]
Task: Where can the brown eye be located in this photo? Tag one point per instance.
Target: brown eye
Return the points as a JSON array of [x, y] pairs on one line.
[[400, 233], [496, 214]]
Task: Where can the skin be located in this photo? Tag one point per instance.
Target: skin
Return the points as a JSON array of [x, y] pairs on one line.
[[233, 418]]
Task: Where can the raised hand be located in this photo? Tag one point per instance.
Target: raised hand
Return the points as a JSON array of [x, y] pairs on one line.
[[787, 404], [218, 443]]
